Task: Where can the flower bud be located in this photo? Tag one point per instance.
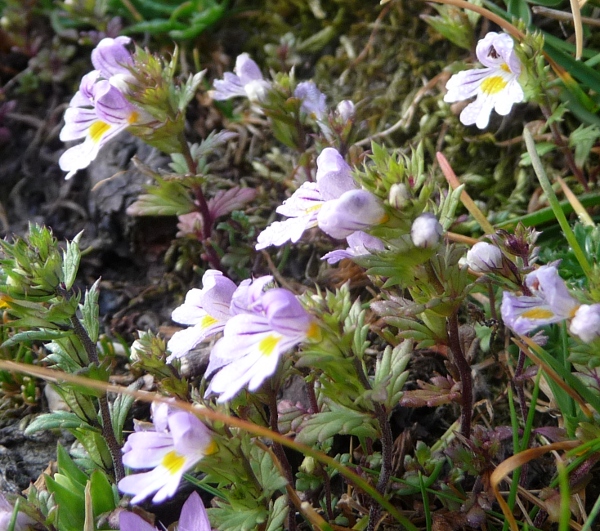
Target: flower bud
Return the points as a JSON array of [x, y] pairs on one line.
[[399, 195], [345, 110], [426, 231], [484, 257], [586, 323]]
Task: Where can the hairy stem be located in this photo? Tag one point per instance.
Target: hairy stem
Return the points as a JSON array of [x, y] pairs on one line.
[[281, 456], [387, 443], [202, 206], [464, 370], [107, 428]]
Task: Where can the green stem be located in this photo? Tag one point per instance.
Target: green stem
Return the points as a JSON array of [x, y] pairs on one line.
[[554, 204]]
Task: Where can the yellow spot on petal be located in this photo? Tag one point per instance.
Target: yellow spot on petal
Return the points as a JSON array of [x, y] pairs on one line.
[[98, 130], [173, 462], [574, 311], [506, 68], [493, 84], [133, 117], [207, 321], [314, 207], [538, 313], [268, 344], [314, 332], [211, 448]]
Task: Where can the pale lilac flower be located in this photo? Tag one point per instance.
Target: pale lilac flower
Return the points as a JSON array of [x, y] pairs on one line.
[[112, 58], [352, 211], [247, 81], [334, 175], [205, 310], [359, 244], [99, 111], [193, 517], [6, 511], [484, 257], [549, 302], [426, 231], [169, 451], [496, 86], [313, 100], [253, 341], [586, 323], [302, 209], [333, 179]]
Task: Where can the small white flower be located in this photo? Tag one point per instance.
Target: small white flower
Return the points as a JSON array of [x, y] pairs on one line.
[[496, 86]]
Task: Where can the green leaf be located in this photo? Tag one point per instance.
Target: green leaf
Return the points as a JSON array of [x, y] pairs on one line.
[[71, 513], [71, 257], [340, 420], [52, 421], [167, 198], [68, 468], [103, 494], [278, 511], [520, 10], [96, 447], [35, 335], [390, 373], [237, 517], [120, 408], [90, 312]]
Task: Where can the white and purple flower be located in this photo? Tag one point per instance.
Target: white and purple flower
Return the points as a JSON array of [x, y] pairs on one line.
[[359, 244], [496, 86], [335, 203], [176, 444], [193, 517], [205, 310], [549, 302], [271, 323], [313, 100], [247, 80], [99, 111]]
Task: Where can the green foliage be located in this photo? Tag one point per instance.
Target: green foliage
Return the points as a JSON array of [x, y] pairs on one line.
[[68, 488], [339, 420], [179, 20]]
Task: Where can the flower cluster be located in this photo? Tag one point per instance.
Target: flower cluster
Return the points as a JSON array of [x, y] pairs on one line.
[[334, 203], [248, 81], [258, 326], [496, 86], [174, 444], [100, 110]]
